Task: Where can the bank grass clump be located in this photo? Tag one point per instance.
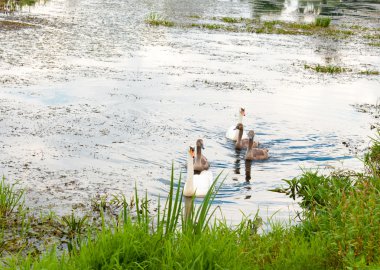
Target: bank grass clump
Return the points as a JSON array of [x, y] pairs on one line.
[[231, 19], [11, 200], [156, 19], [337, 228], [327, 69], [322, 21]]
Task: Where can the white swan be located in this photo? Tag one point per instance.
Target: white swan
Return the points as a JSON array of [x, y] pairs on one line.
[[198, 184], [232, 133]]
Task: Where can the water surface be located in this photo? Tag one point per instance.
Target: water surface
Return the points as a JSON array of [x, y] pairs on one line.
[[93, 100]]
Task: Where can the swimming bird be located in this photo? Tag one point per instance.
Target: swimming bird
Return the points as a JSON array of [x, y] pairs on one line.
[[231, 133], [255, 153], [200, 161], [198, 184], [242, 143]]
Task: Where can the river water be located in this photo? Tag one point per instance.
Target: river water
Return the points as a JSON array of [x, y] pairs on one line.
[[93, 100]]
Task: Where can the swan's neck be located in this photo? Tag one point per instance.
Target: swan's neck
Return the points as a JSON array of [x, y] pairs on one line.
[[190, 173], [250, 144], [240, 135], [199, 152], [249, 149], [240, 118]]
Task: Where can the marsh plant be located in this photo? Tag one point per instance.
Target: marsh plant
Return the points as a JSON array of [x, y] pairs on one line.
[[327, 69], [338, 228], [10, 199], [156, 19], [322, 21]]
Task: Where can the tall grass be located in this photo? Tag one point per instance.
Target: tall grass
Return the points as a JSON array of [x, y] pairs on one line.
[[338, 229], [10, 199], [322, 21]]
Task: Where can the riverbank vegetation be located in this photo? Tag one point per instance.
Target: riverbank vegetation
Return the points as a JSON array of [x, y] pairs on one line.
[[321, 26], [10, 6], [337, 229]]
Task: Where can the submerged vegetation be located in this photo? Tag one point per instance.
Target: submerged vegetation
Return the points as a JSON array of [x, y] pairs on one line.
[[233, 24], [327, 69], [337, 229], [322, 21], [156, 20]]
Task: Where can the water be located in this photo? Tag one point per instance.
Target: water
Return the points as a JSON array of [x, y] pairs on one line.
[[93, 100]]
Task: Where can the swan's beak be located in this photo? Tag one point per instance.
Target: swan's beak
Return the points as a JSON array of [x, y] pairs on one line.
[[202, 146]]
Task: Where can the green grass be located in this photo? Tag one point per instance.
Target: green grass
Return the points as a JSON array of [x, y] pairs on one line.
[[369, 72], [213, 26], [10, 200], [230, 20], [14, 5], [338, 229], [327, 69], [155, 19], [373, 36], [322, 21], [374, 44]]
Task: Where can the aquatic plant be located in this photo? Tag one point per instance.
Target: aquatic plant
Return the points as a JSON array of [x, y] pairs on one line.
[[211, 26], [372, 36], [230, 19], [375, 44], [338, 229], [156, 19], [322, 21], [327, 69], [10, 199], [369, 72]]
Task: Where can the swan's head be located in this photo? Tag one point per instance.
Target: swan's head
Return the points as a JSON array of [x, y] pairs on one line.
[[242, 111], [191, 152], [251, 134], [239, 126], [200, 143]]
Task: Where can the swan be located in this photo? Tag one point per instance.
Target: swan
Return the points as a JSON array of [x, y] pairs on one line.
[[255, 153], [198, 184], [200, 161], [243, 143], [231, 133]]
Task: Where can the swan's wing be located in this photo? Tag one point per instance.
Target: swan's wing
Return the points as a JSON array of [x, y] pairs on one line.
[[231, 133], [202, 183]]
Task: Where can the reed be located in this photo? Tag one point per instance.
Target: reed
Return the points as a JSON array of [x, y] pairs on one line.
[[156, 19], [322, 21], [338, 229]]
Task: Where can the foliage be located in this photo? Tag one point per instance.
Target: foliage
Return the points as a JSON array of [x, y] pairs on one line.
[[327, 69], [338, 229], [155, 19], [322, 21]]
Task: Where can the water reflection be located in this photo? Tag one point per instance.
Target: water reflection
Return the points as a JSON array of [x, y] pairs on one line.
[[237, 162], [305, 9], [248, 165]]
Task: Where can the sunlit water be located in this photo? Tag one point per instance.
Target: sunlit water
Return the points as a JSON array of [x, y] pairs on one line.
[[93, 100]]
